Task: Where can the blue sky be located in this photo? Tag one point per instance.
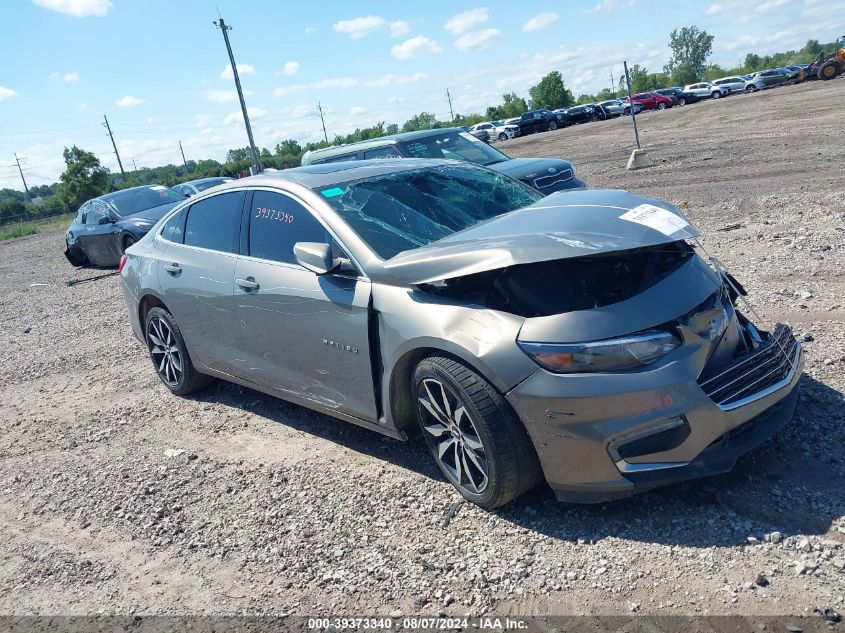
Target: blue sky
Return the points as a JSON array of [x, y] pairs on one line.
[[157, 68]]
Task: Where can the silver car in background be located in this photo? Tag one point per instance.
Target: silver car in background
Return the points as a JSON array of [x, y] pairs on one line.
[[735, 85], [576, 338], [498, 130]]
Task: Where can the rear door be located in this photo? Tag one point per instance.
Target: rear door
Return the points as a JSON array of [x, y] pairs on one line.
[[196, 275], [301, 334]]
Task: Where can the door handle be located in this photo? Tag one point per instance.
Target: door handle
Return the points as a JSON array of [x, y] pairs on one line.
[[247, 284], [173, 269]]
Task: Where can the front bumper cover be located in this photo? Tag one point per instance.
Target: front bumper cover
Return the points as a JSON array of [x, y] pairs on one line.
[[573, 421]]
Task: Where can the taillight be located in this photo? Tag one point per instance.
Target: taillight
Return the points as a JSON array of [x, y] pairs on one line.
[[122, 263]]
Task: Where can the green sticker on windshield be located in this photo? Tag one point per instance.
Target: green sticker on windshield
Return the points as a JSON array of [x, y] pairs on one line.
[[331, 193]]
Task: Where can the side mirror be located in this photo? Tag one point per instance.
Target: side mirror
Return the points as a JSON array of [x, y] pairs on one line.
[[105, 220], [315, 256]]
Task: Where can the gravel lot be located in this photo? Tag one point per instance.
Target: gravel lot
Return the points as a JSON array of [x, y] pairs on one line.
[[265, 507]]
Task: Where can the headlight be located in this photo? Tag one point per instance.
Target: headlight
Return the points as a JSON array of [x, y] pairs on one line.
[[611, 355]]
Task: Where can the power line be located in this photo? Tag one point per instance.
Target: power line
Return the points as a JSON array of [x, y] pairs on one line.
[[449, 98], [320, 110], [114, 145], [25, 188], [220, 24]]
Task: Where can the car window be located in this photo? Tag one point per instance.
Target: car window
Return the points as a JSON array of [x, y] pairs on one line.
[[202, 186], [412, 208], [96, 210], [278, 222], [214, 222], [382, 152], [174, 229], [137, 199], [80, 217], [455, 146], [341, 158]]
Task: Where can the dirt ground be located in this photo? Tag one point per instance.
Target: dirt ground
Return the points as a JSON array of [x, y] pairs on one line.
[[267, 507]]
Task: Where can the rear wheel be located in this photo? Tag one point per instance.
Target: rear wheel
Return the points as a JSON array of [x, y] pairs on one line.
[[169, 354], [829, 70], [476, 439]]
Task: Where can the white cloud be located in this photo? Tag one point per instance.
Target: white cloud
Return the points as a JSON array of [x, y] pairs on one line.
[[399, 28], [770, 4], [539, 22], [6, 93], [715, 8], [343, 83], [467, 20], [76, 8], [243, 69], [359, 27], [608, 6], [291, 68], [475, 40], [70, 77], [415, 47], [309, 30], [238, 117], [357, 110], [129, 102]]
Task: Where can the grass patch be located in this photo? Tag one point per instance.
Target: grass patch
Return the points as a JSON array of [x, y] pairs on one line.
[[31, 228]]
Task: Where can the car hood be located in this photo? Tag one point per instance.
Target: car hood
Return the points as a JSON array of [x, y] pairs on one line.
[[153, 214], [531, 168], [562, 225]]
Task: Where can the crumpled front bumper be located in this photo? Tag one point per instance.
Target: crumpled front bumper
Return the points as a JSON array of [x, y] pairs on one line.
[[576, 421]]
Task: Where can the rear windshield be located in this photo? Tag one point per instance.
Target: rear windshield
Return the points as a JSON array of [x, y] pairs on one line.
[[131, 201], [202, 186], [409, 209], [455, 146]]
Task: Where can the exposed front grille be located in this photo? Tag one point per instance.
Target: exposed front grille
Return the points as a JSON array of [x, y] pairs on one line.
[[547, 181], [754, 374]]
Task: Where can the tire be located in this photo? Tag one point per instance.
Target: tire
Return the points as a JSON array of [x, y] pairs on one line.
[[682, 101], [716, 95], [126, 242], [751, 88], [488, 455], [503, 137], [829, 70], [661, 106], [169, 355], [552, 126]]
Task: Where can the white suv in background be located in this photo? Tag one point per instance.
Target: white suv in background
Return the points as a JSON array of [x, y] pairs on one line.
[[734, 84], [498, 130], [706, 90]]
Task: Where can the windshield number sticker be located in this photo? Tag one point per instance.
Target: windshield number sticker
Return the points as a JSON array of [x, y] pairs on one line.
[[273, 214]]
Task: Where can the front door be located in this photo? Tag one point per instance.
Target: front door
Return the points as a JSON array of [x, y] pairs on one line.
[[301, 334], [99, 237]]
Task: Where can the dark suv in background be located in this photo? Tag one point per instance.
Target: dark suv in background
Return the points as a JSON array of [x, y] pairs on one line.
[[546, 175], [541, 121]]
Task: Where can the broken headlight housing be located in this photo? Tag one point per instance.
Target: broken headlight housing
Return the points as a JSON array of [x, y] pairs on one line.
[[627, 352]]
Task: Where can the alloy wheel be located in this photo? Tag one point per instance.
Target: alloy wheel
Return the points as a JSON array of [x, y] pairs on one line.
[[457, 445], [127, 242], [166, 355]]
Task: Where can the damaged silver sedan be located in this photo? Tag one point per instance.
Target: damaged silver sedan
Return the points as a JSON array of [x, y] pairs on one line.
[[578, 338]]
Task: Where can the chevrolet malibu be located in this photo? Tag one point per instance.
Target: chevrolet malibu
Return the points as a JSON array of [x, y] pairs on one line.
[[578, 338]]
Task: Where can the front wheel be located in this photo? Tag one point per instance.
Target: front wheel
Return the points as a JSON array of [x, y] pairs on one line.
[[716, 95], [661, 106], [682, 101], [127, 242], [552, 125], [169, 354], [476, 439], [503, 137]]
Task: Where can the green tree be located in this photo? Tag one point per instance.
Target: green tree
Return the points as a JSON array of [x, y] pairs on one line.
[[393, 128], [642, 80], [691, 47], [288, 146], [84, 177], [421, 121], [606, 94], [713, 72], [550, 93], [238, 155]]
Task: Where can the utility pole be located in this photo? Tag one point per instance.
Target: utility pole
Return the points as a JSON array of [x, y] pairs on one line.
[[320, 110], [631, 101], [612, 85], [183, 156], [25, 189], [449, 99], [111, 136], [220, 24], [134, 166]]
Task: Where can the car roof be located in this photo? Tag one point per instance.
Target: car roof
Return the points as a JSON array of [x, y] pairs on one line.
[[109, 196], [326, 174], [199, 181], [389, 139]]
